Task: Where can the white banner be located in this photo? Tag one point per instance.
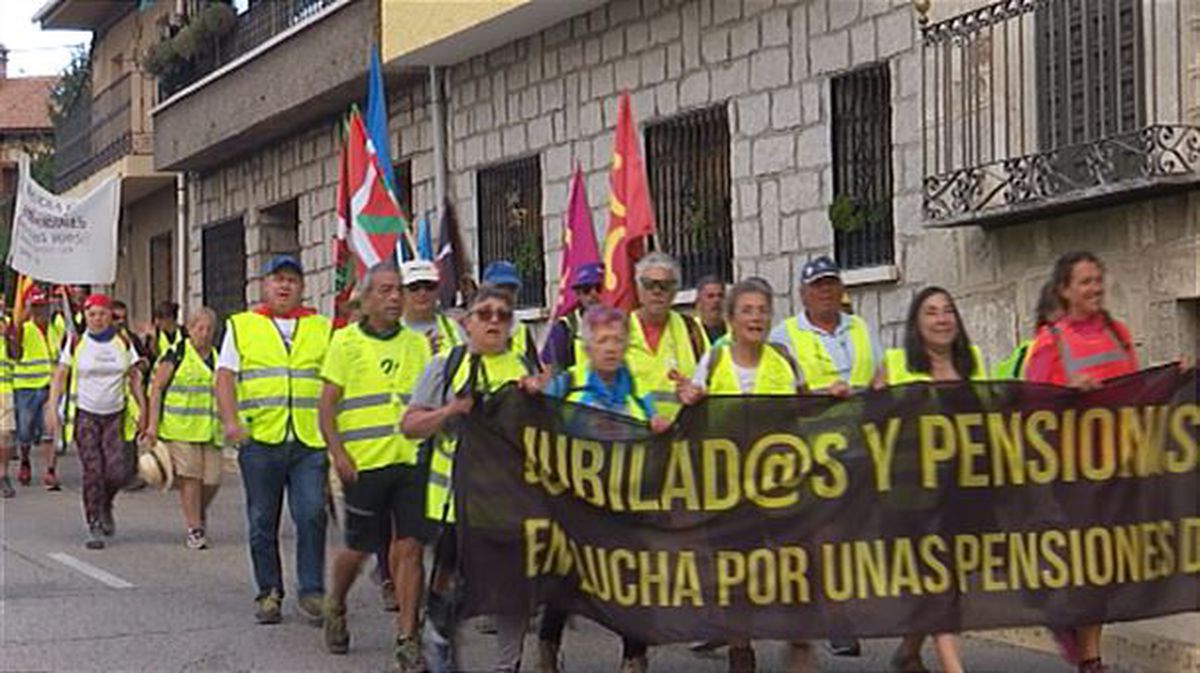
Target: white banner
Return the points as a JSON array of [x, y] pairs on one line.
[[61, 240]]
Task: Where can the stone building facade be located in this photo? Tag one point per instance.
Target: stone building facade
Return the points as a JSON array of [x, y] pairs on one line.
[[552, 95]]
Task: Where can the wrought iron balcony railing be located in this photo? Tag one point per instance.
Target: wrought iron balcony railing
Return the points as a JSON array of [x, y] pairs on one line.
[[93, 133], [1039, 105]]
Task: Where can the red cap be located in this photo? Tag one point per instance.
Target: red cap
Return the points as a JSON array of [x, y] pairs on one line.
[[37, 296], [97, 300]]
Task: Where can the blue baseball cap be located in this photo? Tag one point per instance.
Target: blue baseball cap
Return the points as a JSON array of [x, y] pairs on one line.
[[282, 262], [502, 272], [821, 267], [588, 274]]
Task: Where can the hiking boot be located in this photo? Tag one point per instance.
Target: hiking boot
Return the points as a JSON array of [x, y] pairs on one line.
[[267, 611], [196, 539], [337, 636], [25, 473], [845, 647], [95, 538], [741, 659], [6, 487], [908, 662], [313, 607], [548, 657], [50, 481], [387, 592], [108, 525], [635, 665], [408, 655]]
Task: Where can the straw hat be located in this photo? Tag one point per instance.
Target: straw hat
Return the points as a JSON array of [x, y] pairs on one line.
[[155, 467]]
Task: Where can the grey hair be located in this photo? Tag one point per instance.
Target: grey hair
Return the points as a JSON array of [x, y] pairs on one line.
[[658, 260], [202, 312], [369, 277]]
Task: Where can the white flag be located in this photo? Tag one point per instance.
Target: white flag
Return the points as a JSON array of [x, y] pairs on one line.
[[65, 241]]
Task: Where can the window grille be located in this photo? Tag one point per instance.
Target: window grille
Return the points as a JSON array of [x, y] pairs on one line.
[[510, 223], [402, 172], [224, 251]]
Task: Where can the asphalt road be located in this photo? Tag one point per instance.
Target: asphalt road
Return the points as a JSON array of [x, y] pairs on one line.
[[146, 603]]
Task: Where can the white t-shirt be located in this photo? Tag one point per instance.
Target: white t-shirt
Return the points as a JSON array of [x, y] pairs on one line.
[[227, 357], [101, 368]]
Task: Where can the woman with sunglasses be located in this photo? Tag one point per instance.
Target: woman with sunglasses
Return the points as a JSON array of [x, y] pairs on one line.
[[564, 343], [444, 394]]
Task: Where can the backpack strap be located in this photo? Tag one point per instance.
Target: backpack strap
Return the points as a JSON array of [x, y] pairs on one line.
[[571, 326], [453, 362], [713, 361], [695, 336]]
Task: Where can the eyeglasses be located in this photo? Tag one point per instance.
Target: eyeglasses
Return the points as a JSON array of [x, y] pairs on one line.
[[587, 289], [656, 285], [488, 314], [421, 286]]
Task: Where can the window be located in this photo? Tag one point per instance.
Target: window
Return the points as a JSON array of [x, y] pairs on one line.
[[224, 252], [402, 172], [280, 227], [861, 211], [687, 164], [1088, 70], [510, 223], [162, 276]]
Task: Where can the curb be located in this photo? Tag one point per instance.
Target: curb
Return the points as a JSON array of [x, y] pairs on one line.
[[1126, 647]]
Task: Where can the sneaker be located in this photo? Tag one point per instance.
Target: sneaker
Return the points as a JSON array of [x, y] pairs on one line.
[[337, 636], [387, 593], [196, 539], [635, 665], [108, 525], [6, 487], [25, 473], [408, 655], [95, 538], [707, 647], [313, 606], [50, 481], [845, 647], [267, 611]]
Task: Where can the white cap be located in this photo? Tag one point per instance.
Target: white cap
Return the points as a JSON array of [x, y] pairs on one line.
[[418, 270]]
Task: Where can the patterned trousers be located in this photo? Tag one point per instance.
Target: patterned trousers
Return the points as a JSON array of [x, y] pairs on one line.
[[102, 455]]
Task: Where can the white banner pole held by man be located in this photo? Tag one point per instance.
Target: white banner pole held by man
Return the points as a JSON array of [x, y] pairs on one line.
[[62, 240]]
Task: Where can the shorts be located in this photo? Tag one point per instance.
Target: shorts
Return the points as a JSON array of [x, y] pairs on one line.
[[7, 422], [196, 461], [384, 502], [30, 405]]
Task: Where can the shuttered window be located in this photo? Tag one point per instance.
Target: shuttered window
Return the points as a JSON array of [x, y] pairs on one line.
[[510, 223]]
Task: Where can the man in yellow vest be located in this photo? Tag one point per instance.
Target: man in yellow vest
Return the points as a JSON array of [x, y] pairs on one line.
[[664, 345], [33, 346], [421, 314], [369, 373], [268, 385], [564, 343], [7, 424], [167, 332]]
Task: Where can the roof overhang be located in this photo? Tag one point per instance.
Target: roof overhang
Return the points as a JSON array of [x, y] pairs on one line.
[[79, 14]]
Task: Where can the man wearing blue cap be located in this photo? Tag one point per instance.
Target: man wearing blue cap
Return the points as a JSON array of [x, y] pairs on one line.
[[503, 274], [564, 347], [268, 385]]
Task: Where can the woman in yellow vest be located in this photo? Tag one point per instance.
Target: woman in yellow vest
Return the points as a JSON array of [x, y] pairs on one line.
[[936, 348], [182, 414], [104, 397]]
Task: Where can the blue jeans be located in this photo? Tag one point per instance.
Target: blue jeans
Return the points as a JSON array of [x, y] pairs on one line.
[[267, 471]]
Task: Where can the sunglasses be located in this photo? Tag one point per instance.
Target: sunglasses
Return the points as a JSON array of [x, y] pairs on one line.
[[488, 314], [655, 285], [587, 289], [421, 286]]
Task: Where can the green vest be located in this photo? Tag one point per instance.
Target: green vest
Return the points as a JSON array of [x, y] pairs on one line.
[[817, 364], [132, 411], [773, 376], [679, 348], [374, 401], [188, 404], [39, 352], [492, 372], [278, 387], [1012, 368], [896, 362]]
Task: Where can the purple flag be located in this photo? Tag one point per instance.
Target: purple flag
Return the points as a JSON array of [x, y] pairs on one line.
[[579, 244]]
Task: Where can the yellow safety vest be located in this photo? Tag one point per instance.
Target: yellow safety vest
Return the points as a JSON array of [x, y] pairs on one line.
[[896, 362], [166, 343], [448, 336], [817, 364], [493, 372], [278, 387], [373, 400], [39, 353], [579, 374], [773, 376], [521, 342], [132, 411], [6, 363], [650, 369], [189, 404], [1013, 367]]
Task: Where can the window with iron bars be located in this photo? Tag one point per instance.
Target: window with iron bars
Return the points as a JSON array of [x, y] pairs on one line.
[[687, 164], [223, 253], [510, 223], [402, 172], [861, 212]]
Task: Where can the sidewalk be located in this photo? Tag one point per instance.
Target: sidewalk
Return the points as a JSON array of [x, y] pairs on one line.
[[1163, 645]]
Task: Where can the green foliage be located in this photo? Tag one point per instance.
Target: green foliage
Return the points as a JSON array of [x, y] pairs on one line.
[[194, 42], [73, 82], [848, 216]]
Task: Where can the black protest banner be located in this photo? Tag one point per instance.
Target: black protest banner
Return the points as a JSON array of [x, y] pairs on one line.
[[918, 509]]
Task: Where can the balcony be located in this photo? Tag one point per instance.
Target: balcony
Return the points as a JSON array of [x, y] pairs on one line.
[[1039, 107], [98, 130]]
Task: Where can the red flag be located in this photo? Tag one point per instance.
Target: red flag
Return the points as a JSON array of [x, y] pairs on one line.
[[579, 244], [630, 218]]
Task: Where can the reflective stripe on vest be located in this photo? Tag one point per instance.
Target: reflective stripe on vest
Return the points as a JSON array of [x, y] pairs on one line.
[[278, 387], [898, 373], [493, 372], [188, 403], [579, 374], [650, 369], [818, 366], [773, 375], [373, 401], [130, 414], [1098, 364], [38, 355]]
